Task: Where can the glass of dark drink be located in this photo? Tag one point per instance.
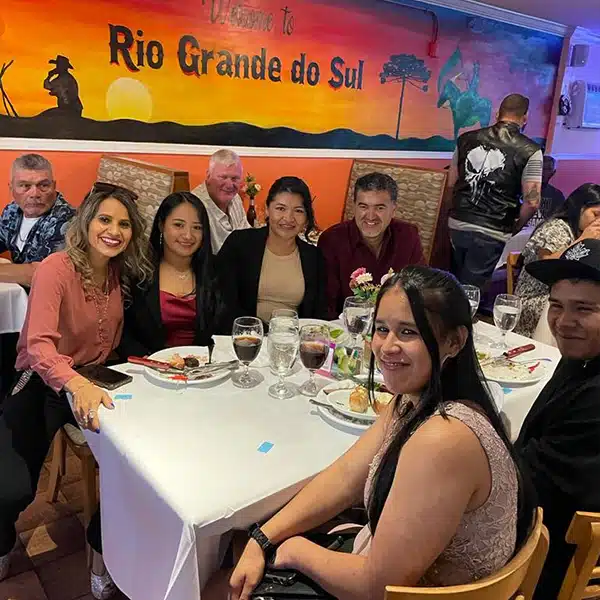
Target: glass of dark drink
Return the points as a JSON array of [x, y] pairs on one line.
[[247, 335], [314, 348], [357, 316]]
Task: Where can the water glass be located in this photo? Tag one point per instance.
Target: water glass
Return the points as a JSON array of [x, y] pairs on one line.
[[474, 296], [247, 335], [314, 349], [286, 313], [357, 315], [283, 344], [507, 310]]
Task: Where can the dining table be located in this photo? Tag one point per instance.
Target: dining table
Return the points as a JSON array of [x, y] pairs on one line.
[[13, 307], [182, 466]]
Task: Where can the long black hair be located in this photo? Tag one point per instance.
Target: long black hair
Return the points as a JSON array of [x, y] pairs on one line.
[[583, 197], [438, 301], [295, 185], [209, 299]]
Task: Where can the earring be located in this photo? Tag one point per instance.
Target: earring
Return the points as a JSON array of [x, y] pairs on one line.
[[161, 239]]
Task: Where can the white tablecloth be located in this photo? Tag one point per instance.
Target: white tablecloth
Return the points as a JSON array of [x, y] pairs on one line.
[[515, 244], [179, 470], [13, 307]]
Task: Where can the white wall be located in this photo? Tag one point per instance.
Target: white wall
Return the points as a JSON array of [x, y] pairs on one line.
[[584, 142]]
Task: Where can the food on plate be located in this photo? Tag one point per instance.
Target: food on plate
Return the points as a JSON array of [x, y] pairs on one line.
[[179, 362], [507, 370], [482, 355], [381, 400], [176, 361], [359, 399], [191, 361]]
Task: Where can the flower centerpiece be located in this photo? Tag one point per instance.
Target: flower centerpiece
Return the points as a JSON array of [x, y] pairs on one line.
[[251, 188], [362, 285]]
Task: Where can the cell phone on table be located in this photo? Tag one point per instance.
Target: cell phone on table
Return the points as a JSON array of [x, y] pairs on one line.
[[104, 377]]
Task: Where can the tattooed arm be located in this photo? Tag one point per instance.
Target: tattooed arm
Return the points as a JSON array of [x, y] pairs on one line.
[[532, 193], [531, 184]]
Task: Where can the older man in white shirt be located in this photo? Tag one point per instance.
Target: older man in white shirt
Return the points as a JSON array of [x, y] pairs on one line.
[[219, 194]]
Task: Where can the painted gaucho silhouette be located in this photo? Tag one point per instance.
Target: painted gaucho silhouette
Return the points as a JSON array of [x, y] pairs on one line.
[[61, 84], [468, 107]]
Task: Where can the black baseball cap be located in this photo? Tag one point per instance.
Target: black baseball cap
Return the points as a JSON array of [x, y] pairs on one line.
[[580, 261]]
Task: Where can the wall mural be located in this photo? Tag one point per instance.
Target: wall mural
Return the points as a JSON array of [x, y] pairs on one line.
[[349, 74]]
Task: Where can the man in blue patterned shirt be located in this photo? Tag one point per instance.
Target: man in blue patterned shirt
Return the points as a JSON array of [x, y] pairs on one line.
[[33, 225]]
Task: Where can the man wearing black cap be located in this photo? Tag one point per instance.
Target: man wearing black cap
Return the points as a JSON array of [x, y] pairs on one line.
[[560, 438]]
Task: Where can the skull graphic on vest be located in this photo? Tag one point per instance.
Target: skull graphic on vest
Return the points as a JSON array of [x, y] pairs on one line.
[[479, 164]]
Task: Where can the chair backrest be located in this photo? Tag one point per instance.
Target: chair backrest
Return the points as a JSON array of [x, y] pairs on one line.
[[152, 183], [513, 261], [420, 193], [584, 531], [516, 580]]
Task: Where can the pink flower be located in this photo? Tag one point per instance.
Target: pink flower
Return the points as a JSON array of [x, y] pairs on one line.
[[358, 272]]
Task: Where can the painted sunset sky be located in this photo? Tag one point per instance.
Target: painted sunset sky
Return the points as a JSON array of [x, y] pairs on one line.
[[32, 33]]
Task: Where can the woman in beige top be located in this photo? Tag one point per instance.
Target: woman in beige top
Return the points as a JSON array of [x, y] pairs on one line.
[[270, 268], [445, 498]]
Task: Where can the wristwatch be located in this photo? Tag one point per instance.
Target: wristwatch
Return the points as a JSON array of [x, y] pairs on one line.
[[258, 535]]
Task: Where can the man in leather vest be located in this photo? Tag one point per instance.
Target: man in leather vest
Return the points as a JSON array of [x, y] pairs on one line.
[[492, 170]]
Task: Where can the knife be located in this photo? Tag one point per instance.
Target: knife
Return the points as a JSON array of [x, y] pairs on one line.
[[508, 355], [157, 365], [164, 367]]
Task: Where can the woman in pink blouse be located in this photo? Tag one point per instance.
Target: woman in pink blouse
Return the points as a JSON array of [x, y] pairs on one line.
[[74, 318]]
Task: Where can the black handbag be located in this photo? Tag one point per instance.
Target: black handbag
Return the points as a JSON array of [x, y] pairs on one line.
[[296, 587], [291, 585]]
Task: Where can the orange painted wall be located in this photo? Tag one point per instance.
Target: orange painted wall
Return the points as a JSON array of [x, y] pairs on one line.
[[327, 177]]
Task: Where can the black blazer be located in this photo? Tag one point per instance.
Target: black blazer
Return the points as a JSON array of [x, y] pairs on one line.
[[239, 264], [143, 330]]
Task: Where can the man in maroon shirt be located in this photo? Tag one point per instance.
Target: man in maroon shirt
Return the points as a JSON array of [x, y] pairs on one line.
[[373, 239]]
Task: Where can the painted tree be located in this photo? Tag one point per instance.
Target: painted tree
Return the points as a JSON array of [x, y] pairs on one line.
[[405, 68], [8, 107]]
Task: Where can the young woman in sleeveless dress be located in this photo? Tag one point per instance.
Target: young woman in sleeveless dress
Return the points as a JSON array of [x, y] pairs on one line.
[[446, 501]]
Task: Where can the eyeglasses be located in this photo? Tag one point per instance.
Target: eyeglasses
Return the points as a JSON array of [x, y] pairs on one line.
[[103, 187]]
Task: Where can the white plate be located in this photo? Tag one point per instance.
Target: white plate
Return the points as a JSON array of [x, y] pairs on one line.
[[503, 375], [340, 402], [200, 352], [342, 422]]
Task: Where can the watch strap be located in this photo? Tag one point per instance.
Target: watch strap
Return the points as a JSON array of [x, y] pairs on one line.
[[259, 536]]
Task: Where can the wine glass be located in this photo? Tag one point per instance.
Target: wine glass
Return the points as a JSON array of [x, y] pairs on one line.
[[357, 314], [507, 310], [314, 348], [247, 335], [283, 343]]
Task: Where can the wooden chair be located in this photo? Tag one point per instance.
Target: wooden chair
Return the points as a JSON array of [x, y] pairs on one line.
[[513, 264], [152, 183], [72, 437], [516, 581], [584, 531]]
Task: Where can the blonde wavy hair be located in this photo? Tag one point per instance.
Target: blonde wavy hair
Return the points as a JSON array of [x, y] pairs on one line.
[[132, 266]]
